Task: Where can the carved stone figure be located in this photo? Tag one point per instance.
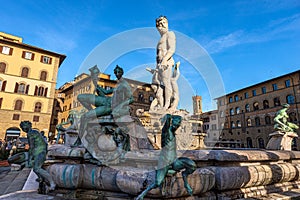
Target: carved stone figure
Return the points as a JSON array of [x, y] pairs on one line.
[[175, 90], [37, 154], [168, 162], [158, 101], [164, 58]]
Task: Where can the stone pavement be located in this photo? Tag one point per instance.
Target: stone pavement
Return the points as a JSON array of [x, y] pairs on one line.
[[15, 185]]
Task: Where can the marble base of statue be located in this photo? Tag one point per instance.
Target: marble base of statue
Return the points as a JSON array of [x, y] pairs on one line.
[[71, 136], [281, 140]]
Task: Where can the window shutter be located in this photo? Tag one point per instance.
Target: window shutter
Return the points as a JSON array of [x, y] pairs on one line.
[[1, 102], [41, 58], [3, 86], [50, 61], [36, 90], [1, 48], [10, 51], [16, 87], [27, 89], [23, 54], [45, 94], [32, 57]]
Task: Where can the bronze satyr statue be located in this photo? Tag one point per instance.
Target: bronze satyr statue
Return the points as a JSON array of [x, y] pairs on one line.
[[168, 162], [37, 155]]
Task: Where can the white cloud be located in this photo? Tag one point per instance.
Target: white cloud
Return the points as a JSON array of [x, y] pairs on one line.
[[276, 29]]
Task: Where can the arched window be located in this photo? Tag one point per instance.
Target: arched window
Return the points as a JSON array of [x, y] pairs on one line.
[[2, 67], [141, 97], [261, 143], [18, 105], [276, 101], [236, 98], [247, 108], [2, 85], [221, 113], [290, 99], [226, 125], [266, 104], [255, 106], [238, 123], [40, 91], [267, 119], [249, 122], [231, 111], [43, 76], [257, 121], [151, 98], [292, 117], [21, 88], [25, 72], [249, 142], [37, 107], [237, 110], [232, 124]]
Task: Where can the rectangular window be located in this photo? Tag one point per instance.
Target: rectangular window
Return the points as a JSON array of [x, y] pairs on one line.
[[16, 117], [264, 90], [253, 92], [287, 83], [274, 86], [28, 55], [6, 50], [213, 117], [46, 59], [246, 95], [213, 127], [230, 99], [36, 118]]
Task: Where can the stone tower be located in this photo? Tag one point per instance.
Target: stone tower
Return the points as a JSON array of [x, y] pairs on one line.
[[197, 105]]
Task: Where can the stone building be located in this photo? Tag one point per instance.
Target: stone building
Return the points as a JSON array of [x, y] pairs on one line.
[[27, 85], [67, 94], [246, 115], [210, 127]]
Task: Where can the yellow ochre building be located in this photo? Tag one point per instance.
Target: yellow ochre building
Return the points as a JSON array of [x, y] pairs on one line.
[[27, 85]]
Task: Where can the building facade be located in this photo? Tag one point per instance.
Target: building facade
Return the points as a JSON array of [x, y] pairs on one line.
[[210, 123], [27, 85], [246, 115]]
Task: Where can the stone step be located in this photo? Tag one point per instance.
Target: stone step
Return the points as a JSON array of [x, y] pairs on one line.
[[15, 180]]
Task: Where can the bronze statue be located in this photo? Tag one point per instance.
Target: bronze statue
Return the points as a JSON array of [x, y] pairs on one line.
[[70, 120], [281, 120], [117, 105], [37, 154], [168, 162], [99, 99]]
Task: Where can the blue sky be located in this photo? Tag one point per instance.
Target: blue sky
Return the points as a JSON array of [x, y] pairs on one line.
[[246, 42]]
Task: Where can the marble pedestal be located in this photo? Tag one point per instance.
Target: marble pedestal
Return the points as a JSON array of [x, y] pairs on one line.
[[281, 140]]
